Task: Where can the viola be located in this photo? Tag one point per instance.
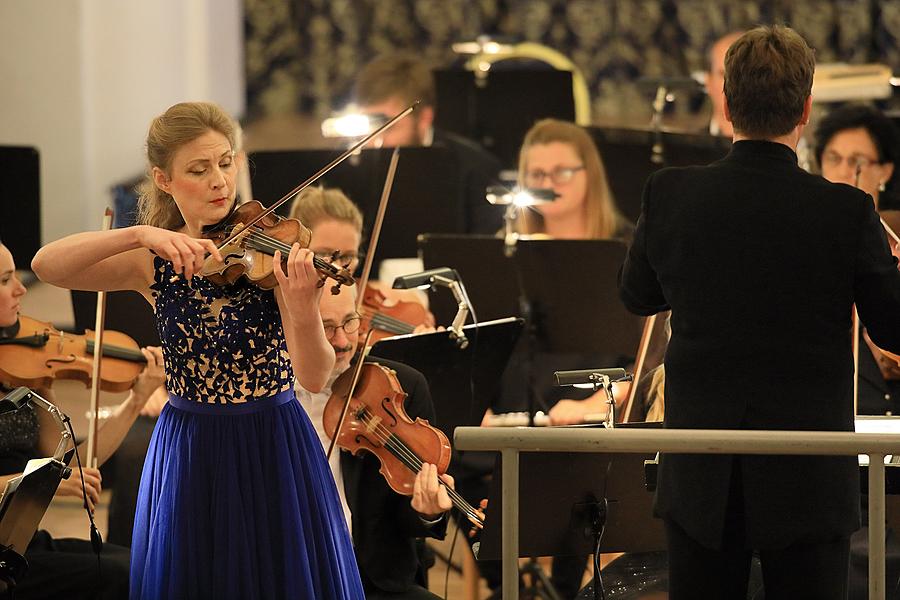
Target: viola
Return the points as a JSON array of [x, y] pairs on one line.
[[248, 251], [389, 318], [376, 422], [36, 354]]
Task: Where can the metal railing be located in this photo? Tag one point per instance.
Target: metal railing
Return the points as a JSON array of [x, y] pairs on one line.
[[510, 442]]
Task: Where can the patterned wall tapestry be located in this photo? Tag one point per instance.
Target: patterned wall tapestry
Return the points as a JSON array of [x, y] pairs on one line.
[[303, 54]]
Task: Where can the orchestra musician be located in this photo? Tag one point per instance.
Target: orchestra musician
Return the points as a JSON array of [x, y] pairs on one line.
[[66, 568], [760, 263], [561, 156], [851, 138], [393, 81], [336, 225], [385, 525], [236, 498]]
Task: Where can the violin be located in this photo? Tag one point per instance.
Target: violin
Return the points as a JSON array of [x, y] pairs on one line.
[[36, 354], [389, 318], [248, 251], [377, 422]]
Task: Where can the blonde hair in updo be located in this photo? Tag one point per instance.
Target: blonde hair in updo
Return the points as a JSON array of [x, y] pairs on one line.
[[181, 124]]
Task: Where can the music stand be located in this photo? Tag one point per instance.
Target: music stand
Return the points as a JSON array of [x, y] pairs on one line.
[[567, 500], [629, 154], [449, 370], [126, 311], [22, 506], [480, 108], [488, 273], [427, 194]]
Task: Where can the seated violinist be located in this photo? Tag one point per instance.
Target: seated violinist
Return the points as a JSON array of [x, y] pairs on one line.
[[384, 525], [66, 568], [336, 226]]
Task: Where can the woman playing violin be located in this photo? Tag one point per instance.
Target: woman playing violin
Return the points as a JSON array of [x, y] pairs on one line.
[[236, 499], [66, 567], [385, 525]]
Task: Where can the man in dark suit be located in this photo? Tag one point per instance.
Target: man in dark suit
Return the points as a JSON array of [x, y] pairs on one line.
[[385, 526], [760, 263], [392, 82]]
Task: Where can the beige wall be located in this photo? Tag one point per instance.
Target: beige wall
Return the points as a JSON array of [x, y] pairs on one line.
[[81, 80]]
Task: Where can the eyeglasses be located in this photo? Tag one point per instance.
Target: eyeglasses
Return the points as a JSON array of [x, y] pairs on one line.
[[558, 176], [349, 326], [350, 257], [854, 161]]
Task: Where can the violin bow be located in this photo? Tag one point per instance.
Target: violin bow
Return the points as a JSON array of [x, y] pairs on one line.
[[357, 370], [320, 173], [91, 459], [376, 229]]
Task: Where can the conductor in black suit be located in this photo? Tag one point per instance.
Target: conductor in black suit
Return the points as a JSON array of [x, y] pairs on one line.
[[387, 528], [760, 263]]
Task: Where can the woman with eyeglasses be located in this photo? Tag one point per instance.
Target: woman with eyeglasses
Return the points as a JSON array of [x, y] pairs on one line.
[[561, 156], [859, 137]]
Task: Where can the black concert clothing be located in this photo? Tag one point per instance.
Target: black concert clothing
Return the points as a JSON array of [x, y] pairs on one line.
[[478, 169], [760, 263]]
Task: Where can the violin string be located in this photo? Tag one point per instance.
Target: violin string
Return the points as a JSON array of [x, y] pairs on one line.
[[268, 243], [409, 458]]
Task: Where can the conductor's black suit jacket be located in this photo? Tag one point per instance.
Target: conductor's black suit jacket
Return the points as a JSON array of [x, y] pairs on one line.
[[385, 526], [760, 263]]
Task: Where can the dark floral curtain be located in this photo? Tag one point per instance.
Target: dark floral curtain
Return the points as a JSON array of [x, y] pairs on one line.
[[302, 55]]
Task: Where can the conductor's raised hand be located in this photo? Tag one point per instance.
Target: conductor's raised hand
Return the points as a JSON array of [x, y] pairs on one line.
[[300, 283], [186, 253]]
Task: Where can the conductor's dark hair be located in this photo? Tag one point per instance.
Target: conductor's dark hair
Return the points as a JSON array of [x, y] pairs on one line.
[[768, 77]]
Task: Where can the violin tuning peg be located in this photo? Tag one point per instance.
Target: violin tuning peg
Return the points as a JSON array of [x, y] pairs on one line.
[[336, 289], [321, 283]]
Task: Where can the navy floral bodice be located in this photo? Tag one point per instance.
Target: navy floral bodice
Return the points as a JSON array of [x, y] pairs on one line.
[[222, 344]]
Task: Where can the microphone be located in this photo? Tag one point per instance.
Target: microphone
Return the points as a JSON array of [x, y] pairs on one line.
[[590, 376]]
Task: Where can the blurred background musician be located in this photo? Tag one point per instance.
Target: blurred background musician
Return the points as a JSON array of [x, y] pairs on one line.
[[384, 525], [67, 568], [561, 156], [390, 83]]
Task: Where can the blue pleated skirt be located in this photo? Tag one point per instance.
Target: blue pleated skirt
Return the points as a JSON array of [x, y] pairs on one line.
[[237, 501]]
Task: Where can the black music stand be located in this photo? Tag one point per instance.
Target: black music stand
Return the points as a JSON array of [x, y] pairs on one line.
[[126, 311], [571, 327], [567, 500], [629, 154], [479, 107], [22, 506], [488, 273], [463, 382], [427, 194]]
